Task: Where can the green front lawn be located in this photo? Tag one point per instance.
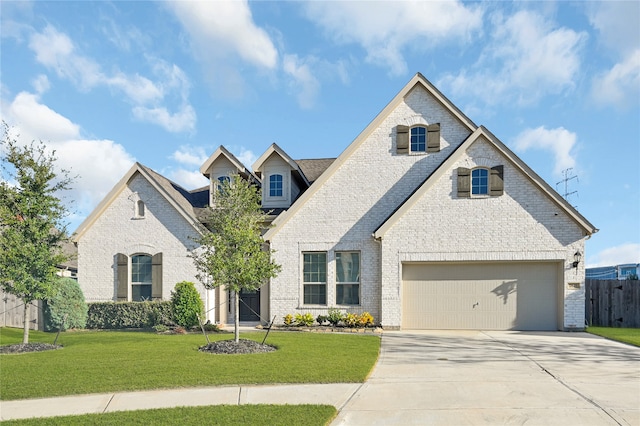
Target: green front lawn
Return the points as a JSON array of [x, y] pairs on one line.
[[255, 415], [111, 361], [626, 335]]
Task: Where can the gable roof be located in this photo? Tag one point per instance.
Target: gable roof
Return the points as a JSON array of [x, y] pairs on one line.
[[222, 151], [185, 202], [418, 80], [448, 163], [275, 149]]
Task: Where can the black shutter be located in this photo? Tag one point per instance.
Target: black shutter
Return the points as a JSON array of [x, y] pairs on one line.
[[402, 139], [156, 277], [122, 274], [496, 181], [464, 182], [433, 137]]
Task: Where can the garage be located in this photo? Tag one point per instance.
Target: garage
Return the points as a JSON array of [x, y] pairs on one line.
[[483, 296]]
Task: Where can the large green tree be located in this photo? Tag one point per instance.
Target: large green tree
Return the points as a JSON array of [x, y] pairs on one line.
[[232, 252], [31, 221]]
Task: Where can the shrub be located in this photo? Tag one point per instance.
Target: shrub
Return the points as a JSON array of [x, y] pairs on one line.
[[187, 305], [117, 315], [67, 309], [335, 316], [321, 319], [351, 320], [160, 328], [288, 320], [365, 320], [304, 320], [211, 327]]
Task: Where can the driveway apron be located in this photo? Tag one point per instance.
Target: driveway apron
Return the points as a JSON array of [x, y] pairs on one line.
[[498, 377]]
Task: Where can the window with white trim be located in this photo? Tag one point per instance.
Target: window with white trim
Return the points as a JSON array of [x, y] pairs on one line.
[[314, 278], [348, 278], [141, 277], [276, 185]]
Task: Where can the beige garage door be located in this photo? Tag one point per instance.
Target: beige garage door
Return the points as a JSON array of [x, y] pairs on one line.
[[483, 296]]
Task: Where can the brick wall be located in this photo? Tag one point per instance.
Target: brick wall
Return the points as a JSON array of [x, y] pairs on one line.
[[163, 230]]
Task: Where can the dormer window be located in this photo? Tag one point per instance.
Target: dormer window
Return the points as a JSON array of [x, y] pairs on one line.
[[275, 185], [222, 180]]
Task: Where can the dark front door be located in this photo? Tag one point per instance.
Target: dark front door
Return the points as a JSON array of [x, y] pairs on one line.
[[250, 305]]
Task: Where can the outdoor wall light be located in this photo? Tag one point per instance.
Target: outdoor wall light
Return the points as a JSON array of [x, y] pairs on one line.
[[576, 259]]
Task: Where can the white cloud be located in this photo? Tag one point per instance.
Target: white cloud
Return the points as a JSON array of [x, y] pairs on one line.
[[559, 141], [99, 164], [625, 253], [41, 84], [620, 85], [617, 23], [619, 35], [527, 58], [246, 156], [385, 29], [188, 179], [180, 121], [190, 155], [226, 28], [56, 51], [304, 83]]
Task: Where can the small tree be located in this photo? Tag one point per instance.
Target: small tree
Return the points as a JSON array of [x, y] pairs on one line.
[[187, 305], [231, 252], [31, 228], [67, 309]]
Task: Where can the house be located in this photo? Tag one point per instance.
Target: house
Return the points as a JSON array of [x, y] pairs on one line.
[[615, 272], [426, 220]]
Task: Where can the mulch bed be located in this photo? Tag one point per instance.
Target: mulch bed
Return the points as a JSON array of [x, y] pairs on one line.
[[22, 348], [230, 347]]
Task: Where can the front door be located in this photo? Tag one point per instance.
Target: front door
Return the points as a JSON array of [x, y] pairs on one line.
[[250, 305]]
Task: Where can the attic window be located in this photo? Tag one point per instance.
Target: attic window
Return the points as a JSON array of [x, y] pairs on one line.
[[140, 209], [222, 180], [480, 181], [418, 139], [275, 185]]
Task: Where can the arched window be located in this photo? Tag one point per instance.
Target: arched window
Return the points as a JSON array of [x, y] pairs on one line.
[[222, 180], [479, 181], [418, 139], [141, 282], [140, 208], [275, 186]]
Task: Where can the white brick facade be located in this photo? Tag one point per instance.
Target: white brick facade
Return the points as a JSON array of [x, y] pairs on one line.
[[117, 230], [373, 181]]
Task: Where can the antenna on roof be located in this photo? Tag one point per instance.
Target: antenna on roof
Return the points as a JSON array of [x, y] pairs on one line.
[[568, 176]]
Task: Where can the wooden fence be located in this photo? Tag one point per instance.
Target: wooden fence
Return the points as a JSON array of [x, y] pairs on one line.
[[12, 313], [612, 303]]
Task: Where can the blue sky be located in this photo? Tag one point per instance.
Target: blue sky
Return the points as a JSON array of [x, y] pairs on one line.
[[164, 83]]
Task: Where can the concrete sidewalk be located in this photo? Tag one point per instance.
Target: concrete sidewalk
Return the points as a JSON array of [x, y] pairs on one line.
[[331, 394]]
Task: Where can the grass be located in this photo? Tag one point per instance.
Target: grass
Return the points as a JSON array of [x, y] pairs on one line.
[[106, 361], [625, 335], [285, 415]]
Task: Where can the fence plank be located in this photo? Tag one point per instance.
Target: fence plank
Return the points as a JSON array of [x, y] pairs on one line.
[[612, 303]]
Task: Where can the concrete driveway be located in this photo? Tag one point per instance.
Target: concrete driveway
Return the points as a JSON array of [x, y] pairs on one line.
[[498, 377]]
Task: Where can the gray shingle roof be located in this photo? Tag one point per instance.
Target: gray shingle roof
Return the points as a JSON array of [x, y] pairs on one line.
[[313, 168]]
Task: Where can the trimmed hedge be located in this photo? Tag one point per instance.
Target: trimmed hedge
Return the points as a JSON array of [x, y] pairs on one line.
[[118, 315]]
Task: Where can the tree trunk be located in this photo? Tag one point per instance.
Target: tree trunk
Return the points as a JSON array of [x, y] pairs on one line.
[[236, 300], [25, 334]]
